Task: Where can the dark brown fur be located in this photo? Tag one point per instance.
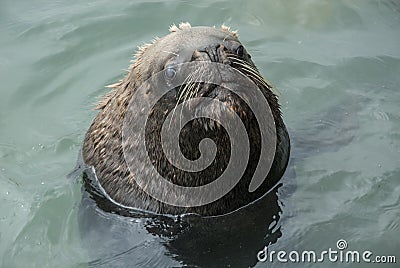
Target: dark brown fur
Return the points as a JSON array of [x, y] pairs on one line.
[[103, 150]]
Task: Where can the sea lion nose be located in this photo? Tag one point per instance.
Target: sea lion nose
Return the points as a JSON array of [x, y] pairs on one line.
[[215, 53]]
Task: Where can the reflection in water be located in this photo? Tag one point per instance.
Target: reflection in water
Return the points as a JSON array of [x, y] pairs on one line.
[[144, 239]]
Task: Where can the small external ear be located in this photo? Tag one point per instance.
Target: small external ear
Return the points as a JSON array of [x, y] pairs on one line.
[[173, 28], [182, 26], [228, 29]]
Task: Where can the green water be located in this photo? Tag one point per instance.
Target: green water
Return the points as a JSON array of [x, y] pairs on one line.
[[336, 65]]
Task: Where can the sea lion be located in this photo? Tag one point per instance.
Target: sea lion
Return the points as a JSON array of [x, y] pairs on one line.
[[103, 147]]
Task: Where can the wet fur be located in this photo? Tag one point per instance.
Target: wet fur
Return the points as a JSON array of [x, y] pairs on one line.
[[102, 147]]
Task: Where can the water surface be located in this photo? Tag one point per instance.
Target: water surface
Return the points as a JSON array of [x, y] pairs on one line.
[[336, 65]]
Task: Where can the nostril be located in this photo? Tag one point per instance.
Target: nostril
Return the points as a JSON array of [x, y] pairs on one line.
[[221, 46], [216, 53]]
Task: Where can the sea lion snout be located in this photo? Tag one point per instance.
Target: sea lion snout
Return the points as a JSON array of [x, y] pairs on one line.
[[226, 53], [219, 53], [213, 53]]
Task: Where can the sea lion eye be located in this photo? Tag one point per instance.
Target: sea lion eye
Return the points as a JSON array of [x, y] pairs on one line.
[[240, 51], [169, 72]]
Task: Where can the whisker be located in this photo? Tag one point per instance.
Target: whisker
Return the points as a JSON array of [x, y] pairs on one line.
[[186, 97], [251, 70], [189, 90], [186, 83], [255, 74], [182, 93]]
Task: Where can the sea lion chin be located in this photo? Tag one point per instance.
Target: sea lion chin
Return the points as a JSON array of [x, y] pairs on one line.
[[104, 147]]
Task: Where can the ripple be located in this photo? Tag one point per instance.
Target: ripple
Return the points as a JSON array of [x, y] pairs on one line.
[[336, 65]]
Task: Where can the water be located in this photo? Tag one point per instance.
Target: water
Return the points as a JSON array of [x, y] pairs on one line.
[[336, 65]]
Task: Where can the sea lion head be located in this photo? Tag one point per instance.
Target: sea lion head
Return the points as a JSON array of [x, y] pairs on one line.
[[194, 44], [112, 144]]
